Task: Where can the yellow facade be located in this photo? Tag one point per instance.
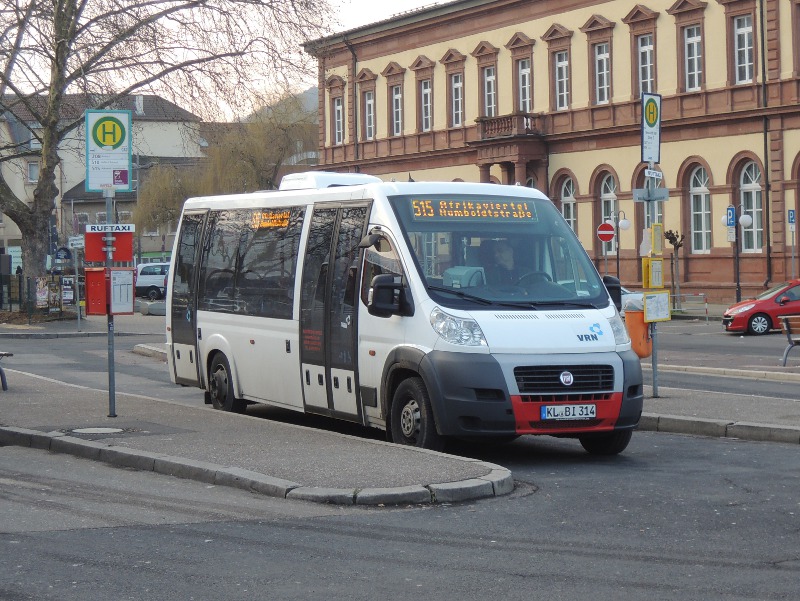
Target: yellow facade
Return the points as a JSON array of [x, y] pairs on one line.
[[721, 126]]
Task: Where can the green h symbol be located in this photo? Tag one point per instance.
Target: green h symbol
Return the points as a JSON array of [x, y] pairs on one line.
[[107, 130]]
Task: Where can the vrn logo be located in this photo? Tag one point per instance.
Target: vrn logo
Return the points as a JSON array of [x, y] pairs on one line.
[[594, 334]]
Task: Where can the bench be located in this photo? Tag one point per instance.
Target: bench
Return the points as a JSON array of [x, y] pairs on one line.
[[2, 373], [791, 327]]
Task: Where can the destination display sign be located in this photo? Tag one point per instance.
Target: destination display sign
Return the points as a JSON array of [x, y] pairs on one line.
[[504, 210], [271, 219]]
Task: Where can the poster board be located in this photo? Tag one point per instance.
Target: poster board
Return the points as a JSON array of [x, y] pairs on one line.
[[656, 306], [653, 272], [121, 293], [657, 240]]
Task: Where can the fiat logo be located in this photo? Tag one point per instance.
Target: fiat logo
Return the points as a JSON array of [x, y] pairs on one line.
[[566, 378]]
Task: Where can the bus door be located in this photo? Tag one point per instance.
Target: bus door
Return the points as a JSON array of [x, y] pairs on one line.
[[329, 307], [183, 317]]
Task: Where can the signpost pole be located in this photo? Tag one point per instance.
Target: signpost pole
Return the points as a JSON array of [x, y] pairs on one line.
[[737, 273], [78, 265], [792, 227], [654, 357], [605, 232], [108, 168], [109, 195], [651, 212], [651, 154]]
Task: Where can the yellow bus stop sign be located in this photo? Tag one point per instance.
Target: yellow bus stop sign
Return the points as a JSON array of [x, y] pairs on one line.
[[651, 128]]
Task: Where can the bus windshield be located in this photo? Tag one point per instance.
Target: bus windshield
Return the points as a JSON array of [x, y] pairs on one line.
[[474, 251]]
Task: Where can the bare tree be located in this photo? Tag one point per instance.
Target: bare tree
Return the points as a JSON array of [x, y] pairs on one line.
[[243, 157], [194, 52]]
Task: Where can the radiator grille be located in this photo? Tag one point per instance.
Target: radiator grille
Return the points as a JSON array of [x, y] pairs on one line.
[[540, 379], [585, 397]]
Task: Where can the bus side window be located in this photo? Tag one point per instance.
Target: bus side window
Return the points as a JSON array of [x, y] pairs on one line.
[[379, 259], [322, 278], [218, 261], [267, 262]]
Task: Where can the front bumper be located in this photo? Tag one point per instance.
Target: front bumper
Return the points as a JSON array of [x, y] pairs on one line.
[[734, 323], [480, 396]]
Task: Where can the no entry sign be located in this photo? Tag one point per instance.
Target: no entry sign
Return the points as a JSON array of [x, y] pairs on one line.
[[605, 231]]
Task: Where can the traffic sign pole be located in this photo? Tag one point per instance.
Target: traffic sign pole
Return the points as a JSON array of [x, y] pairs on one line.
[[605, 232], [651, 154], [792, 227], [112, 410]]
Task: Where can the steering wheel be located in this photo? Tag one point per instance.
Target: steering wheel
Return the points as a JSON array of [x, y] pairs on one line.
[[533, 277]]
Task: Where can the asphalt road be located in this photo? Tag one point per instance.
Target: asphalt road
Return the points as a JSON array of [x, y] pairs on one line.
[[676, 517], [700, 345], [84, 361]]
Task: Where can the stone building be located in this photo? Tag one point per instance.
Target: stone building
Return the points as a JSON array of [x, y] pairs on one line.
[[548, 94]]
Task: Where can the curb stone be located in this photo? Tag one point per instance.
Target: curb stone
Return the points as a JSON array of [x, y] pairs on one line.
[[452, 492], [336, 496], [498, 482], [764, 432], [719, 428], [393, 496]]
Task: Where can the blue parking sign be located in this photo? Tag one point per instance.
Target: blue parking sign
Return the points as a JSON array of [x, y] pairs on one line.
[[731, 216], [791, 216]]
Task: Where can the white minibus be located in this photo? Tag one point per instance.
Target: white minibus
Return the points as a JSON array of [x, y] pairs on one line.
[[429, 310]]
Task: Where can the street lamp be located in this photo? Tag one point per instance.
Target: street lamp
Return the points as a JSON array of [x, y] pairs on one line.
[[745, 220], [617, 219]]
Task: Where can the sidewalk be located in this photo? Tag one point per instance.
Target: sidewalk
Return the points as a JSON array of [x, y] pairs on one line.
[[294, 462]]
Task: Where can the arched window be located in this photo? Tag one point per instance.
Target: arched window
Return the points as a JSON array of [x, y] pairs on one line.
[[700, 201], [568, 202], [608, 202], [750, 201]]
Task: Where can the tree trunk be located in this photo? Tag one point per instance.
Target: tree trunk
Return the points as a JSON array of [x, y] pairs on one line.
[[34, 247]]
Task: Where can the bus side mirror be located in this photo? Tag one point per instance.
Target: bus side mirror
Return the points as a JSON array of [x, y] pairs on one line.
[[389, 297], [369, 241], [614, 290]]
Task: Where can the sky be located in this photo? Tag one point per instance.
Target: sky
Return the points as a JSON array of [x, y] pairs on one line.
[[355, 13]]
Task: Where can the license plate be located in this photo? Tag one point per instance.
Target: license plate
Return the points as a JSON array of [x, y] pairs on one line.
[[569, 412]]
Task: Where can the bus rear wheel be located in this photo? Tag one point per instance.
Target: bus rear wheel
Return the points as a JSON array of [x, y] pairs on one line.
[[612, 443], [221, 387], [412, 416]]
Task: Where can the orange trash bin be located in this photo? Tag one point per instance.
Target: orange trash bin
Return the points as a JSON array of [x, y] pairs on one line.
[[639, 331]]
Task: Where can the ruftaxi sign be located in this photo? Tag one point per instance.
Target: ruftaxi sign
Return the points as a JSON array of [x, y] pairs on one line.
[[116, 237], [110, 227]]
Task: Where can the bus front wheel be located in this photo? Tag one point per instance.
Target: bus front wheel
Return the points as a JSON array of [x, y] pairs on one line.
[[221, 386], [611, 443], [412, 416]]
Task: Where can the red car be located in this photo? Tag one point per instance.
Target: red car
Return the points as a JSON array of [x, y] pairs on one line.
[[759, 315]]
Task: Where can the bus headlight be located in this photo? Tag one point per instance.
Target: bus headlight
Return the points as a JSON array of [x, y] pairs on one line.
[[457, 330], [619, 329]]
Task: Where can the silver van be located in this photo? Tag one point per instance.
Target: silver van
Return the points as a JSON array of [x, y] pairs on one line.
[[150, 280]]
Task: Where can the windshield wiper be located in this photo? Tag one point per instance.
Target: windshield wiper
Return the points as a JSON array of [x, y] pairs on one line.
[[544, 303], [459, 293]]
